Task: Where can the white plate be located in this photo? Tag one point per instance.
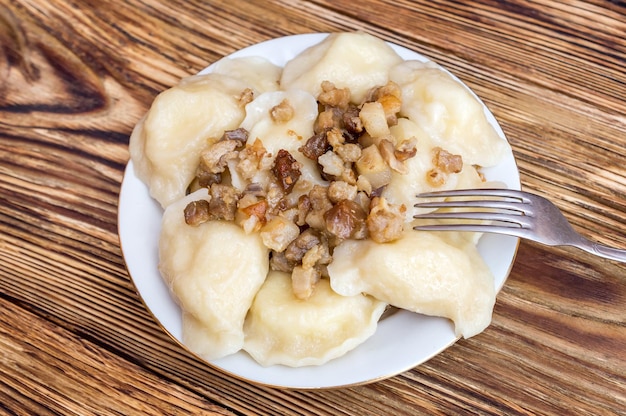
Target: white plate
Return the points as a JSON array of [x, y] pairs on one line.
[[401, 342]]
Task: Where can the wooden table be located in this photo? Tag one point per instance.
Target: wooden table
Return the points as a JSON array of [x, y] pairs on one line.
[[76, 75]]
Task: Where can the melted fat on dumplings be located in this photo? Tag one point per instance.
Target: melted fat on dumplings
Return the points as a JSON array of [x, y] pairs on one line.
[[421, 272], [214, 271], [281, 329], [355, 60], [165, 145], [448, 112]]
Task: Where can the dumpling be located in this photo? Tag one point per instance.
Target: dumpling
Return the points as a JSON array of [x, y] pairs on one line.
[[165, 145], [214, 271], [355, 60], [421, 272], [289, 134], [404, 186], [281, 329], [447, 112], [256, 72]]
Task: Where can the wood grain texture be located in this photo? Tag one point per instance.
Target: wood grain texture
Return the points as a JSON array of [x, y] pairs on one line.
[[75, 76], [78, 376]]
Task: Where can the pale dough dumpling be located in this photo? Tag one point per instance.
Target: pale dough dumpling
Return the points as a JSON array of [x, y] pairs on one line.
[[447, 112], [281, 329], [421, 272], [256, 72], [405, 186], [214, 271], [288, 135], [165, 145], [355, 60]]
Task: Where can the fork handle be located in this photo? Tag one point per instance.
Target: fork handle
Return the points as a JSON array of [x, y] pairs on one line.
[[602, 250]]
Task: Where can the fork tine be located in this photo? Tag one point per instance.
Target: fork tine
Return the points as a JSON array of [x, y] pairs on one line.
[[478, 228], [485, 203], [516, 200], [520, 220], [497, 192]]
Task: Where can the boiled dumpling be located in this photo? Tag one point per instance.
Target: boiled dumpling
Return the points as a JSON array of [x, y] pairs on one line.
[[281, 329], [165, 145], [421, 272], [355, 60], [256, 72], [289, 134], [447, 112], [214, 271], [404, 186]]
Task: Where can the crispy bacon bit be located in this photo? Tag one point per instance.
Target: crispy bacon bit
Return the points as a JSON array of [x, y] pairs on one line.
[[385, 221], [315, 146], [406, 150], [258, 209], [223, 204], [279, 233], [390, 88], [305, 275], [317, 256], [253, 159], [295, 251], [436, 177], [318, 198], [197, 212], [254, 189], [331, 163], [327, 119], [372, 166], [446, 161], [206, 179], [445, 164], [215, 158], [286, 170], [303, 281], [258, 148], [346, 220], [251, 214], [387, 151], [283, 112], [349, 176], [333, 96], [304, 207], [339, 190], [279, 262], [349, 152], [274, 197], [390, 97], [246, 97], [334, 137], [391, 106], [352, 121], [240, 135]]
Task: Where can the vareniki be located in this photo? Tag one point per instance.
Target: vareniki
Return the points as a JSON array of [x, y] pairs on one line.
[[287, 197]]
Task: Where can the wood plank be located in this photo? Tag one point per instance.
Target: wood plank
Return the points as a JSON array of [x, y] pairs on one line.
[[55, 372], [556, 85]]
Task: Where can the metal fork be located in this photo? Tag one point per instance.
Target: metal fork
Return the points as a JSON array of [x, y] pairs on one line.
[[519, 214]]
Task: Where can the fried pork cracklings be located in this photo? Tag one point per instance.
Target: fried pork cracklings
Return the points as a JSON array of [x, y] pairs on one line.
[[287, 199]]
